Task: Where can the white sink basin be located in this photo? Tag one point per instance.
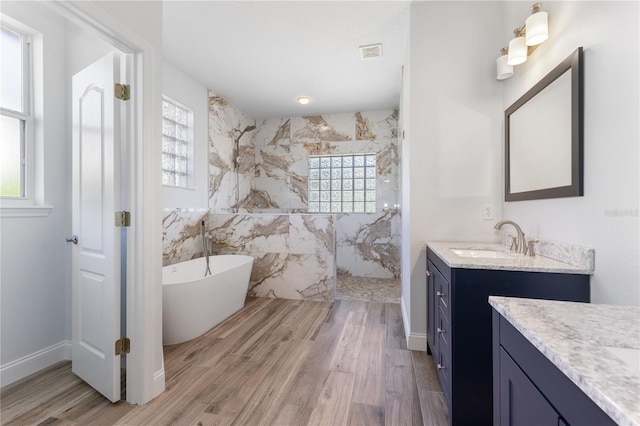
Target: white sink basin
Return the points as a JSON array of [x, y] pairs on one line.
[[481, 253], [629, 356]]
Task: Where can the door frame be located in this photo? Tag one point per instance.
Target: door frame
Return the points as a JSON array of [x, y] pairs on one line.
[[145, 364]]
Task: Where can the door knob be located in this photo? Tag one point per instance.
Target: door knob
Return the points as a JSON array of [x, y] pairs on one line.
[[73, 239]]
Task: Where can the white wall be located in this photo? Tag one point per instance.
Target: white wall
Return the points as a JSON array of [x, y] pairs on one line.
[[83, 48], [34, 252], [608, 31], [183, 88], [452, 147]]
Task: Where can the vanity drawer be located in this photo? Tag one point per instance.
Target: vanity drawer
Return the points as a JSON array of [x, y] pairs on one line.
[[443, 331], [443, 366], [442, 295]]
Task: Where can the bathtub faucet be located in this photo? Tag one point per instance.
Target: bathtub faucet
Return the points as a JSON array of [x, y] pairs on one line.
[[205, 247]]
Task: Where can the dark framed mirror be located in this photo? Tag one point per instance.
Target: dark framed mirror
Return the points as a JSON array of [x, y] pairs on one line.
[[544, 136]]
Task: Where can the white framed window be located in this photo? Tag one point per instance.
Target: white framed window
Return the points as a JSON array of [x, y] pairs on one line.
[[342, 183], [15, 114], [177, 144]]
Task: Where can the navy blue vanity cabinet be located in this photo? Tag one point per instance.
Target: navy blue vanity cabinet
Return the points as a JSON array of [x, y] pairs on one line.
[[521, 403], [529, 390], [459, 327]]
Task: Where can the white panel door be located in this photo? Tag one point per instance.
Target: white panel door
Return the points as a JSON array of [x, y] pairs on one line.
[[96, 256]]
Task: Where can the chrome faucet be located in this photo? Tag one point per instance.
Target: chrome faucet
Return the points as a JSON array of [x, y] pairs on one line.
[[520, 244]]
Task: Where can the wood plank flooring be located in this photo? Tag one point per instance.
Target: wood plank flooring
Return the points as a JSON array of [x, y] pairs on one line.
[[275, 362]]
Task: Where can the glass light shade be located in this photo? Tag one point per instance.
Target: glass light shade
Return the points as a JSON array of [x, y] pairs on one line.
[[504, 70], [537, 28], [517, 51]]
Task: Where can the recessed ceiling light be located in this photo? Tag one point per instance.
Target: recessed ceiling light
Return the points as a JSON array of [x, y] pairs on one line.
[[370, 51], [303, 100]]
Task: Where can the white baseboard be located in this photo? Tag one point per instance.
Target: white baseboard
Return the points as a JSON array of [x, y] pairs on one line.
[[415, 341], [27, 365], [158, 382], [405, 320]]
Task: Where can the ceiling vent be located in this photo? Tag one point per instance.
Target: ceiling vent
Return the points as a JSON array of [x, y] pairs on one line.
[[370, 51]]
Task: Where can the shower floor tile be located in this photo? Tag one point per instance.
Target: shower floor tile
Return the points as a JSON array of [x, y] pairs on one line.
[[368, 289]]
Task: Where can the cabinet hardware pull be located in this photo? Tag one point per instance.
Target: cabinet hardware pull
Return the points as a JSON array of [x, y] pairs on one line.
[[439, 293], [429, 273], [440, 330], [440, 366]]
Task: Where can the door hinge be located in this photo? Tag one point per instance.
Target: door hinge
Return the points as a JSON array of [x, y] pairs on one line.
[[123, 91], [123, 346], [123, 218]]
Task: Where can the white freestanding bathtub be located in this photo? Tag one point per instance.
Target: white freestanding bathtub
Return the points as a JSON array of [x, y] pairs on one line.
[[193, 303]]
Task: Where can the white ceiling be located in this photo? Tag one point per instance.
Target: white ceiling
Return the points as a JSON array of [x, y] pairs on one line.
[[262, 55]]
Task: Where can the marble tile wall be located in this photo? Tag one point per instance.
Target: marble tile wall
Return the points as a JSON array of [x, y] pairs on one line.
[[181, 238], [368, 245], [282, 147], [229, 150], [294, 253]]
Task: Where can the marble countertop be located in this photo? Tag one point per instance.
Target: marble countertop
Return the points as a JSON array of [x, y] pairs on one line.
[[591, 344], [511, 262]]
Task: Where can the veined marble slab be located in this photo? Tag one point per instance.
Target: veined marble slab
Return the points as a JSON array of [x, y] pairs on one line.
[[282, 147], [229, 187], [272, 178], [293, 276], [368, 245], [181, 234], [576, 338], [294, 253]]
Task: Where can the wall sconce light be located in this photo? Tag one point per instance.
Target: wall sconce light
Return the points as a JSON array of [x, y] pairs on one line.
[[517, 47], [537, 26], [526, 40], [504, 69]]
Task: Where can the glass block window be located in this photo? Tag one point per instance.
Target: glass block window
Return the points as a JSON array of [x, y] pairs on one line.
[[342, 183], [15, 118], [177, 144]]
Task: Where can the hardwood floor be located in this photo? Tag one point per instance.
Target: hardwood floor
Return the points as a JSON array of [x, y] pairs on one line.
[[276, 362]]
